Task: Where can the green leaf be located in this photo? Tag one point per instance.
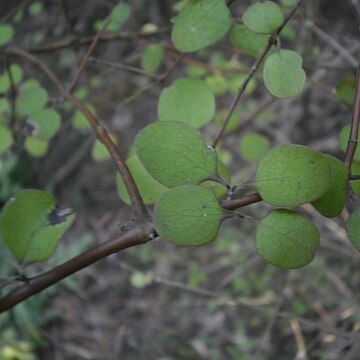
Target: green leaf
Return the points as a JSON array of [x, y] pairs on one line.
[[36, 147], [44, 123], [219, 190], [344, 138], [188, 100], [345, 90], [200, 24], [149, 188], [292, 175], [287, 239], [175, 153], [217, 83], [194, 70], [16, 73], [253, 146], [188, 216], [119, 15], [265, 17], [152, 57], [283, 74], [6, 34], [31, 99], [99, 152], [79, 121], [353, 229], [5, 139], [25, 225], [140, 280], [4, 83], [249, 42], [36, 8], [333, 201]]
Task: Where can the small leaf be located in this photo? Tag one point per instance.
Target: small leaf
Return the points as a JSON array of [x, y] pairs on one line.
[[200, 24], [31, 99], [99, 152], [353, 229], [283, 74], [119, 15], [79, 120], [287, 239], [25, 228], [217, 83], [45, 123], [253, 146], [292, 175], [175, 153], [344, 138], [188, 216], [149, 188], [265, 17], [36, 8], [188, 100], [140, 280], [36, 147], [16, 73], [333, 201], [5, 139], [152, 57], [345, 90], [249, 42], [6, 34]]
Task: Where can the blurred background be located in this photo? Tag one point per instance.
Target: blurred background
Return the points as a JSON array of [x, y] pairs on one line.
[[158, 301]]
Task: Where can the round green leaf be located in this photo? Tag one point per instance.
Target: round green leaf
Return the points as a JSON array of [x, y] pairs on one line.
[[152, 57], [188, 100], [283, 74], [253, 146], [333, 201], [6, 34], [344, 138], [353, 229], [36, 147], [31, 99], [263, 17], [188, 216], [16, 73], [25, 225], [149, 188], [44, 123], [36, 8], [4, 83], [175, 153], [200, 24], [5, 139], [287, 239], [249, 42], [292, 175]]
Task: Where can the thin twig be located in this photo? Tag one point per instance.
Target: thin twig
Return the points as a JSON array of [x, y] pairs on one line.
[[272, 41], [124, 67], [353, 137], [87, 55], [241, 202], [86, 40], [100, 131]]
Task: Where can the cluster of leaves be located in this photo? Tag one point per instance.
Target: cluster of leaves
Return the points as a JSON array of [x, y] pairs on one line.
[[171, 163]]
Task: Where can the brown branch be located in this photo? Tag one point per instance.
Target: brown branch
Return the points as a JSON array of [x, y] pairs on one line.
[[34, 285], [272, 41], [353, 137], [100, 131], [241, 202]]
